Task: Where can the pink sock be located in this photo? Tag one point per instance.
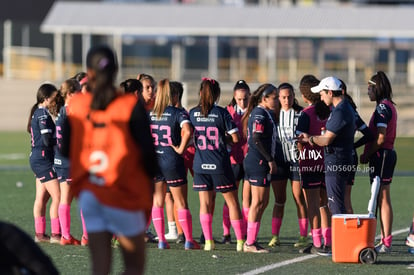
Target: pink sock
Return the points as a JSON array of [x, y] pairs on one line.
[[85, 232], [252, 232], [316, 237], [327, 236], [158, 221], [64, 218], [186, 221], [226, 220], [237, 227], [40, 225], [276, 224], [55, 225], [303, 227], [206, 221], [387, 241]]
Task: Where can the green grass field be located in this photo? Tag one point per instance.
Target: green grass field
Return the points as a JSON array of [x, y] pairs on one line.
[[16, 207]]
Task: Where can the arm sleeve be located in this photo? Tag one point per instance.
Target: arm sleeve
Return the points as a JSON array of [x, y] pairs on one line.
[[65, 145], [260, 147], [366, 132], [140, 130], [45, 125]]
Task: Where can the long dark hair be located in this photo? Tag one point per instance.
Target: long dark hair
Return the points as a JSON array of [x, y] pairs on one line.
[[306, 83], [209, 93], [382, 87], [102, 60], [45, 91], [263, 90]]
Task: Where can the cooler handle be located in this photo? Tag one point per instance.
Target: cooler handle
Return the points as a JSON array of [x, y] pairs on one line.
[[352, 223]]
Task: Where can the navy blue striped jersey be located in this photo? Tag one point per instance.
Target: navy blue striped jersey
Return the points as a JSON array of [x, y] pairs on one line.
[[260, 121], [60, 160], [42, 130], [166, 131], [211, 156]]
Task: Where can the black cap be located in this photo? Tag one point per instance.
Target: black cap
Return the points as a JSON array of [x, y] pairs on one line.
[[241, 84]]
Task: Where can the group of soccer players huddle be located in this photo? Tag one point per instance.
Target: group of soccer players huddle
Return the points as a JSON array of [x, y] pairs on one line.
[[262, 138]]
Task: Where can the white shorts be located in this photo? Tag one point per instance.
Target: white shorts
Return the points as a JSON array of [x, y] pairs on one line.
[[101, 218]]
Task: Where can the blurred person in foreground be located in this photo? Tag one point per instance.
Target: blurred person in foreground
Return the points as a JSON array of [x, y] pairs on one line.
[[106, 138]]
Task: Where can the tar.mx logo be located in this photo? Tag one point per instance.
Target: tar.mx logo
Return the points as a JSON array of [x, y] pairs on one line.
[[312, 154]]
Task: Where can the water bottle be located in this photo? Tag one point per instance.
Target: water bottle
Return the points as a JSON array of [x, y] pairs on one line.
[[411, 250], [323, 130]]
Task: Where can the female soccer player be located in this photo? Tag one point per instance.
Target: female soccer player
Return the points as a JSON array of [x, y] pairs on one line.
[[171, 131], [380, 153], [43, 139], [68, 89], [236, 108], [112, 161], [311, 164], [259, 163], [288, 167], [147, 94], [213, 130]]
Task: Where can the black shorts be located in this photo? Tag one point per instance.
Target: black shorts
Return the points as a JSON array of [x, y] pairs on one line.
[[238, 171], [173, 175], [287, 170], [382, 164], [214, 182], [313, 180]]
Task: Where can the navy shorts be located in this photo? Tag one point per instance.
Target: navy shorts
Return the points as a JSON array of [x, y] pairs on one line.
[[214, 182], [313, 180], [41, 163], [287, 170], [238, 171], [173, 175], [382, 164], [63, 174]]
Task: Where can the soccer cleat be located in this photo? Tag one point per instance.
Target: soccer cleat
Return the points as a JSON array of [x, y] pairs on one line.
[[149, 237], [41, 238], [209, 245], [226, 239], [382, 248], [254, 248], [321, 251], [171, 236], [275, 241], [84, 241], [307, 249], [409, 241], [70, 241], [181, 238], [239, 247], [55, 238], [163, 245], [302, 242], [191, 245]]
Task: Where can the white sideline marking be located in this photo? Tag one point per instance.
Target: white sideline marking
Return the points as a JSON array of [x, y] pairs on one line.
[[13, 156], [277, 265], [303, 258]]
